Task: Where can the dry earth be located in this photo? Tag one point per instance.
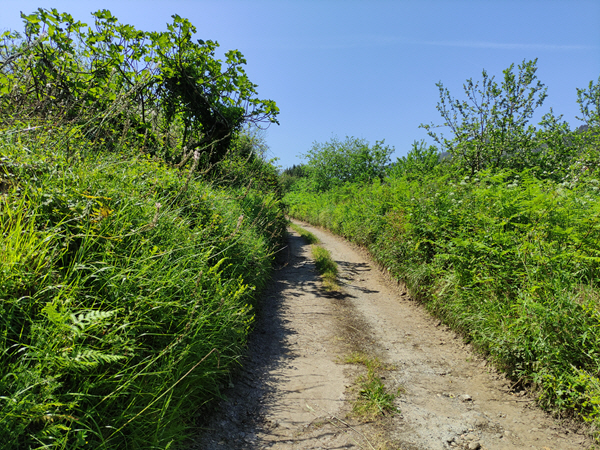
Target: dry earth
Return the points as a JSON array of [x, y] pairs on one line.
[[295, 392]]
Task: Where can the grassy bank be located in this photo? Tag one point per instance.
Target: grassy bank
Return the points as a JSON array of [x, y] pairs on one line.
[[127, 294], [138, 219], [507, 259]]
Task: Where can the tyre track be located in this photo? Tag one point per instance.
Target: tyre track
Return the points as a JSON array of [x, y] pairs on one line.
[[293, 394]]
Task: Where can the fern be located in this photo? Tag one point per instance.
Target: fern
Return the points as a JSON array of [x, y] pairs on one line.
[[53, 315], [84, 321], [85, 359]]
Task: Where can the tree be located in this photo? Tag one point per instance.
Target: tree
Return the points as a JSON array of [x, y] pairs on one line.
[[212, 102], [251, 140], [336, 162], [589, 104], [491, 127], [588, 136], [294, 178], [296, 171], [419, 162], [245, 164], [122, 87]]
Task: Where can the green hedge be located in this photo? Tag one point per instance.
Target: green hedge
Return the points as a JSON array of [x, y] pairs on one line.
[[126, 296], [507, 259]]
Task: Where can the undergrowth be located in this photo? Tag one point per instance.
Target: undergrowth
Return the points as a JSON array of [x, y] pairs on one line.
[[507, 259], [127, 293]]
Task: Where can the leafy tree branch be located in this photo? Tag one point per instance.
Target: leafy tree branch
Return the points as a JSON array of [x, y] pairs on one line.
[[163, 90]]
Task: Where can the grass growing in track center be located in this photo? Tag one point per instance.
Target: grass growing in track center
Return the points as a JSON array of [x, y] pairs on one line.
[[373, 399], [325, 265], [311, 238]]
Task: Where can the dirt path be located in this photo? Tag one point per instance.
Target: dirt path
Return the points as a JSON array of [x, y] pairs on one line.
[[294, 392]]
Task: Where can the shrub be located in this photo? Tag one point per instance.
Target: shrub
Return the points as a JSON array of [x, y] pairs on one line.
[[127, 295]]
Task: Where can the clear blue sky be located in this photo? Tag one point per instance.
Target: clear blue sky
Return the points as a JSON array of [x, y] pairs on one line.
[[369, 68]]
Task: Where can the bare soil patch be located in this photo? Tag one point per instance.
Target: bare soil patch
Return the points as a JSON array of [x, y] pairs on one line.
[[295, 392]]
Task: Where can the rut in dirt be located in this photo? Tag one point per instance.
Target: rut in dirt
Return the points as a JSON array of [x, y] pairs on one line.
[[295, 392]]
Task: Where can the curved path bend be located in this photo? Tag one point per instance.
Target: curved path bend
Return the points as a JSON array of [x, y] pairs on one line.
[[295, 392]]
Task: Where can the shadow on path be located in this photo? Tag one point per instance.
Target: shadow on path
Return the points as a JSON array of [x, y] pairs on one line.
[[254, 391]]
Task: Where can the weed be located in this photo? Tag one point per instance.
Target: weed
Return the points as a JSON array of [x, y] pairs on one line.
[[325, 265], [311, 238], [373, 399]]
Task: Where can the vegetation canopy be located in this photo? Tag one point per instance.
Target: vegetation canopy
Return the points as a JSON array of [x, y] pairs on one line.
[[336, 162], [491, 127], [162, 92]]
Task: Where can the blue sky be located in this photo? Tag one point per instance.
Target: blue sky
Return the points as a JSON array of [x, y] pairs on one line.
[[368, 68]]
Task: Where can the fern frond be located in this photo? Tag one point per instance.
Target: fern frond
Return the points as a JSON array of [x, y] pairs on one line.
[[83, 321], [53, 315], [87, 358]]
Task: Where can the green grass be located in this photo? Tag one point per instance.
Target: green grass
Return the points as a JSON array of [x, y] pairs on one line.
[[373, 398], [507, 260], [325, 265], [125, 298], [310, 238]]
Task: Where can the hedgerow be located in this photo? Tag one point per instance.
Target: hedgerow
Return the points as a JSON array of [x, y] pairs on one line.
[[138, 222], [125, 298], [499, 238], [507, 259]]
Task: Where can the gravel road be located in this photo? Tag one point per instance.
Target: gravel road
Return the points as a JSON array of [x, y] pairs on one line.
[[296, 392]]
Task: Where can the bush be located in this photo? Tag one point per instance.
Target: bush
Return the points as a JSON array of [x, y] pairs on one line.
[[160, 92], [420, 161], [127, 295], [507, 259], [334, 163]]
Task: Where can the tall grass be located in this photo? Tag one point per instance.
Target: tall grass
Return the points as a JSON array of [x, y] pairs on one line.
[[507, 259], [127, 294]]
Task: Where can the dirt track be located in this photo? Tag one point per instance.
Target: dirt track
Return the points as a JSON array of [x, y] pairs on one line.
[[294, 392]]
